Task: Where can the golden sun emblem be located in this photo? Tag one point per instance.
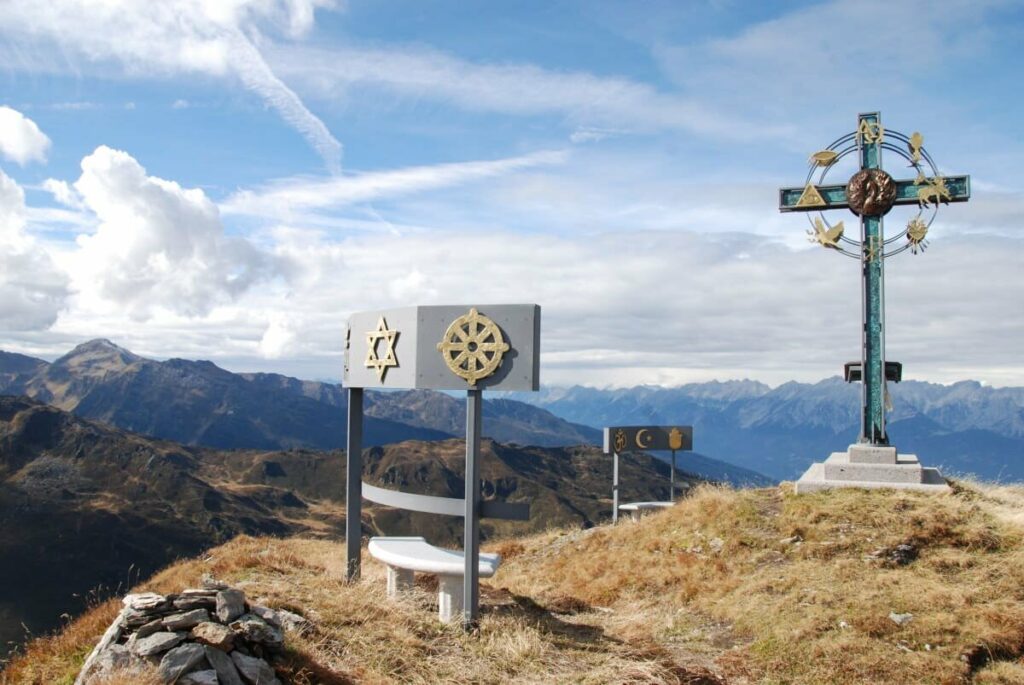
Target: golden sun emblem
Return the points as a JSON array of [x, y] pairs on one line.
[[473, 347], [917, 230], [675, 439], [373, 359]]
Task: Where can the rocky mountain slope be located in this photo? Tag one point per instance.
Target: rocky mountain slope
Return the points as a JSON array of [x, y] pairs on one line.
[[83, 504], [965, 428], [198, 403]]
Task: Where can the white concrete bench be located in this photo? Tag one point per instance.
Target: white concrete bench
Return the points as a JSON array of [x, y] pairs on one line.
[[636, 509], [404, 556]]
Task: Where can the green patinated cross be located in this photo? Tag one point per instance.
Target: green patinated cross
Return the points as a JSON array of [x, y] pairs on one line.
[[870, 195]]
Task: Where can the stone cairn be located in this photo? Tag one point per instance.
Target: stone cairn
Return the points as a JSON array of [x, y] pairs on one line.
[[205, 636]]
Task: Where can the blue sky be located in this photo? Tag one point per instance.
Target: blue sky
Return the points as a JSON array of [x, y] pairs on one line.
[[229, 180]]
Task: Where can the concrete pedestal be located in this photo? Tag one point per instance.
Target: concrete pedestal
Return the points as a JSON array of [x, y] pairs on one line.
[[871, 466]]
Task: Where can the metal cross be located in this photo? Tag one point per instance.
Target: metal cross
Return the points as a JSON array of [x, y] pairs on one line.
[[870, 194]]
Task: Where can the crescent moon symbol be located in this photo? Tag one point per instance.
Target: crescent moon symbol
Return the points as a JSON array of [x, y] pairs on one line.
[[639, 438]]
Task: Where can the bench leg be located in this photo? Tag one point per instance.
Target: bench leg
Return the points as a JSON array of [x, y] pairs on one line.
[[449, 598], [399, 579]]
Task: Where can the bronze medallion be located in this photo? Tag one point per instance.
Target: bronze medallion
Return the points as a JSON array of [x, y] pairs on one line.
[[871, 192]]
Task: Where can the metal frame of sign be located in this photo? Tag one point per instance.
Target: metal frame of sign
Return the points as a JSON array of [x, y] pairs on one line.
[[462, 347], [648, 439]]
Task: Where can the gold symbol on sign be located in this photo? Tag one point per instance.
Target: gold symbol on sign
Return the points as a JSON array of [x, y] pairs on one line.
[[675, 439], [640, 438], [921, 178], [373, 360], [916, 232], [620, 440], [873, 247], [935, 192], [810, 197], [473, 347], [829, 237], [916, 141], [823, 158], [870, 132]]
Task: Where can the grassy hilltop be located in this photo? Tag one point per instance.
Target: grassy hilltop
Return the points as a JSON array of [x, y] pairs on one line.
[[745, 586]]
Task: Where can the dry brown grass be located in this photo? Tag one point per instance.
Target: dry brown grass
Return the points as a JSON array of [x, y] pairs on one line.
[[817, 611], [705, 592]]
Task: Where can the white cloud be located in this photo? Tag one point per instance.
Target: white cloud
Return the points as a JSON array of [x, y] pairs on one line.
[[32, 289], [290, 196], [522, 89], [63, 193], [158, 245], [172, 37], [650, 307], [20, 139], [279, 339]]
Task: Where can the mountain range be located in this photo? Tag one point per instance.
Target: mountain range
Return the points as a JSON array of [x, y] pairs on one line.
[[199, 403], [742, 429], [964, 428]]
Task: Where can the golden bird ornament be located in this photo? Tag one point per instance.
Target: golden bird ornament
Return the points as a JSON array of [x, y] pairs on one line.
[[828, 237]]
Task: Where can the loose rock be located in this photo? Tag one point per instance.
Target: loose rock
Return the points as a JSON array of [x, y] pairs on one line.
[[225, 667], [900, 619], [180, 661], [230, 605], [292, 621], [114, 657], [255, 629], [215, 635], [208, 677], [196, 601], [143, 601], [254, 671], [186, 620], [211, 583], [156, 643]]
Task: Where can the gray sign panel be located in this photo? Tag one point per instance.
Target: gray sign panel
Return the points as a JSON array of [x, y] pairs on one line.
[[631, 438], [489, 347]]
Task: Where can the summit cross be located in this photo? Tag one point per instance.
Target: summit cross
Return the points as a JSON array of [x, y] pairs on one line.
[[870, 194]]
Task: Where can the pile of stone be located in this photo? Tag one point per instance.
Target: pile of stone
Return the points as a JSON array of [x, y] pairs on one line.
[[205, 636]]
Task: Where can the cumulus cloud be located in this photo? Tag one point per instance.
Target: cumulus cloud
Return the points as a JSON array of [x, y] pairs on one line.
[[157, 245], [21, 140], [63, 193], [32, 289], [278, 339], [174, 37], [288, 196]]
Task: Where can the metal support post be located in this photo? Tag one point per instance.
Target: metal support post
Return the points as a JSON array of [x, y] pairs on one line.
[[615, 488], [672, 480], [354, 484], [471, 536]]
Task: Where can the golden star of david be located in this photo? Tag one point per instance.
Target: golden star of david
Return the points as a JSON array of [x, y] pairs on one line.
[[373, 360]]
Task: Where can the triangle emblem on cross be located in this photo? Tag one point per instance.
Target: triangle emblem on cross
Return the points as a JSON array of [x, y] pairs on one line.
[[810, 197]]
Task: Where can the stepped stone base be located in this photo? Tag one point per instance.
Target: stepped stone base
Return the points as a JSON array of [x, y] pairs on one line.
[[870, 466]]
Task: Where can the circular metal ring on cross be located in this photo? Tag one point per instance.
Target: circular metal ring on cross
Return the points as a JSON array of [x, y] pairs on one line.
[[916, 230], [473, 347]]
